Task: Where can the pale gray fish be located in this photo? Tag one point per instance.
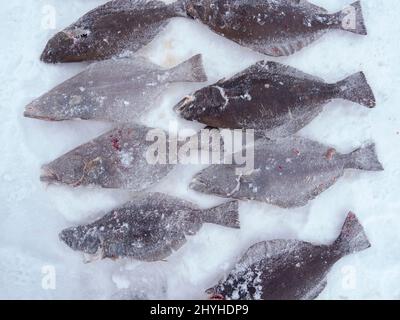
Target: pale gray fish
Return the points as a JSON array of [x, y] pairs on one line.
[[289, 269], [149, 227], [116, 28], [287, 172], [119, 90], [119, 159], [272, 98], [274, 27]]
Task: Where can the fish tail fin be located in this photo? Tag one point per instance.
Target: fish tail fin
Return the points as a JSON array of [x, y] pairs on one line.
[[351, 19], [355, 88], [352, 238], [191, 70], [226, 214], [364, 158]]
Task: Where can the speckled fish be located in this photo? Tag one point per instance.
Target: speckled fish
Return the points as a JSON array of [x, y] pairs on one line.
[[119, 90], [287, 172], [115, 28], [270, 97], [116, 159], [273, 27], [147, 228], [289, 269]]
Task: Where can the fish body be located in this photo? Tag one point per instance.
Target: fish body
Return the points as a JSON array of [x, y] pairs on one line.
[[273, 27], [289, 269], [149, 227], [115, 28], [118, 90], [131, 157], [270, 97], [287, 172], [115, 159]]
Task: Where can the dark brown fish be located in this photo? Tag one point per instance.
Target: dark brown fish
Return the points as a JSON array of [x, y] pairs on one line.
[[119, 90], [289, 269], [287, 172], [270, 97], [273, 27], [149, 227], [115, 28]]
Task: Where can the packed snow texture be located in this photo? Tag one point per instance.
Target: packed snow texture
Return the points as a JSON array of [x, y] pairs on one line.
[[32, 214]]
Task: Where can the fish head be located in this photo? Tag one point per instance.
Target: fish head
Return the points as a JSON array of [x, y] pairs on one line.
[[203, 106], [70, 169], [82, 238], [215, 293], [62, 103], [218, 179], [70, 45]]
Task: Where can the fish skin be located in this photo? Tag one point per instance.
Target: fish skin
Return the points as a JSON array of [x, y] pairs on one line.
[[118, 90], [113, 160], [273, 27], [148, 228], [289, 269], [117, 159], [287, 172], [115, 28], [270, 97]]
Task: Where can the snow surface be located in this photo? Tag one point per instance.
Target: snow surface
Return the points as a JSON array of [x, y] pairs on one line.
[[32, 214]]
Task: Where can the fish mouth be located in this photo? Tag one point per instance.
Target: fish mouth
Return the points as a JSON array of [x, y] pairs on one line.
[[197, 184], [48, 175], [57, 49], [184, 104], [213, 294], [31, 111]]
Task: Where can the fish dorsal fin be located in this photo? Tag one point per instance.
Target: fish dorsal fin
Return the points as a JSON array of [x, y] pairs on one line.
[[121, 4], [309, 6], [269, 249], [137, 63], [262, 68], [282, 69]]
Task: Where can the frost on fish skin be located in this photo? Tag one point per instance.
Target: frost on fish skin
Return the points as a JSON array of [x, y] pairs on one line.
[[127, 157], [115, 159], [289, 269], [149, 227], [109, 30], [272, 98], [118, 90], [287, 172], [273, 27]]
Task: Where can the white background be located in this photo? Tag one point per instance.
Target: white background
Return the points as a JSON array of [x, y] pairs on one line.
[[31, 214]]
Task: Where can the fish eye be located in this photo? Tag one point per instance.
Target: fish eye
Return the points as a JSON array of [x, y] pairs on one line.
[[84, 35]]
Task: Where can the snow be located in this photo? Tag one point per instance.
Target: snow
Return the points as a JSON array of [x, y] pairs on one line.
[[31, 255]]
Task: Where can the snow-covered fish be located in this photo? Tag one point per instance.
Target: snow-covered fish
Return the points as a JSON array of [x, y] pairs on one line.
[[287, 172], [273, 27], [289, 269], [121, 158], [119, 90], [115, 28], [147, 228], [268, 96]]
